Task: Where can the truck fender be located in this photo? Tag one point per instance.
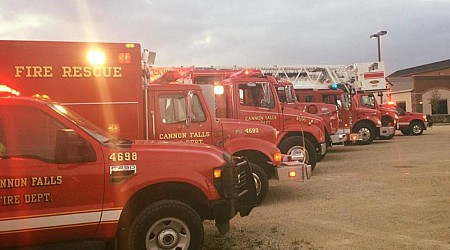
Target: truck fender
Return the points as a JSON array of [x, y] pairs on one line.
[[248, 143], [315, 132], [184, 175]]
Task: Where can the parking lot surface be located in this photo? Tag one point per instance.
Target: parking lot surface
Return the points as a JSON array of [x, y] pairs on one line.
[[392, 194]]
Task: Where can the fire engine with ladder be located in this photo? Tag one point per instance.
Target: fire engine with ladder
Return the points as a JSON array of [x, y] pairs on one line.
[[351, 88]]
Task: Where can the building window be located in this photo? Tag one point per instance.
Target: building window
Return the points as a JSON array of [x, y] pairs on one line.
[[401, 105], [442, 108]]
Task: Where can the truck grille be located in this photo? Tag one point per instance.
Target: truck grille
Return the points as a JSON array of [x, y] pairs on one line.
[[238, 184]]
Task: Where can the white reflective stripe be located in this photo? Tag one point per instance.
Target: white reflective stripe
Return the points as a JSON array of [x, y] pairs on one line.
[[112, 215], [403, 123], [58, 220]]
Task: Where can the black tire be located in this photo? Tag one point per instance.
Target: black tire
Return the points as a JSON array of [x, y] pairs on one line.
[[294, 142], [167, 223], [366, 131], [405, 131], [387, 137], [416, 128], [320, 157], [261, 182]]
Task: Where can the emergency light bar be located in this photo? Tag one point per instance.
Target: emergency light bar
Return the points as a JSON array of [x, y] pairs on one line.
[[334, 86]]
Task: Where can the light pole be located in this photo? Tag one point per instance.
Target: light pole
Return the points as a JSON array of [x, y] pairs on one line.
[[377, 36]]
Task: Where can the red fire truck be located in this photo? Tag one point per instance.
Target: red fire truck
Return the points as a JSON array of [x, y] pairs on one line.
[[361, 125], [409, 123], [328, 112], [64, 179], [249, 96], [108, 84], [292, 135], [337, 85], [389, 116]]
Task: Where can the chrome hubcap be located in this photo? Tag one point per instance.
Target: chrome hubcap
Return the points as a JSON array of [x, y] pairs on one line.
[[168, 233]]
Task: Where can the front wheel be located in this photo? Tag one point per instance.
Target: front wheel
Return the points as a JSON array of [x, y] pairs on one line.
[[366, 132], [416, 128], [387, 137], [294, 144], [406, 131], [261, 183], [166, 224]]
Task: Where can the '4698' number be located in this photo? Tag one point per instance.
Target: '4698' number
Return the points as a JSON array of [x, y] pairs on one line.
[[127, 156]]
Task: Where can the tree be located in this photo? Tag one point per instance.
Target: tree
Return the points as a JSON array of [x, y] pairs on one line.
[[434, 101]]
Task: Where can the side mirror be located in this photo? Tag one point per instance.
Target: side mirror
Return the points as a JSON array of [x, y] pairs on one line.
[[70, 148]]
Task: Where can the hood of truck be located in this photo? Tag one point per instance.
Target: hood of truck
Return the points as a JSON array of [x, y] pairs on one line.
[[241, 128], [368, 112], [176, 151], [308, 119]]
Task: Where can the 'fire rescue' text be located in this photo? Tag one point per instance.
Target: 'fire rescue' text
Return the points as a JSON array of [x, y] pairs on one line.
[[68, 71]]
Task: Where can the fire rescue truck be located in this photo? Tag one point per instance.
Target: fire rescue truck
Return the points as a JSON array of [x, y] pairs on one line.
[[337, 85], [64, 179], [107, 83], [294, 128]]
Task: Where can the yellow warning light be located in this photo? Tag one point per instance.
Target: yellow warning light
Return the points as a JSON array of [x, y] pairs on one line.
[[277, 158], [96, 57], [217, 173], [129, 45], [41, 97], [292, 173]]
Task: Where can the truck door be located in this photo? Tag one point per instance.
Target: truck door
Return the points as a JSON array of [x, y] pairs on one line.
[[40, 199], [182, 116], [257, 103]]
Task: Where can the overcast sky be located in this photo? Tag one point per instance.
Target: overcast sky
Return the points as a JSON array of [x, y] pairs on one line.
[[244, 32]]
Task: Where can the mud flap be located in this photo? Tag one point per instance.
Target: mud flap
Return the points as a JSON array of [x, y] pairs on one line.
[[246, 186]]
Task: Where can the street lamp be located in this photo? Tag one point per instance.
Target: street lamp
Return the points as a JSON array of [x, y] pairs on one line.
[[377, 36]]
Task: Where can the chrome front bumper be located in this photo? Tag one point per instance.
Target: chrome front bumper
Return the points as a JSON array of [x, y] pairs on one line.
[[387, 131], [292, 171], [338, 138]]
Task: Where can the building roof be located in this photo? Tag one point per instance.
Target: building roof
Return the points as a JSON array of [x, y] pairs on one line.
[[422, 69]]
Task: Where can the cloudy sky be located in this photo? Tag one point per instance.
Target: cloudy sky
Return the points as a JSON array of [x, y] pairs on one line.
[[244, 32]]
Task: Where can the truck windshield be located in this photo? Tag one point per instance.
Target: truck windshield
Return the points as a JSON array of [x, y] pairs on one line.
[[257, 94], [367, 101], [346, 99], [286, 94], [96, 132]]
